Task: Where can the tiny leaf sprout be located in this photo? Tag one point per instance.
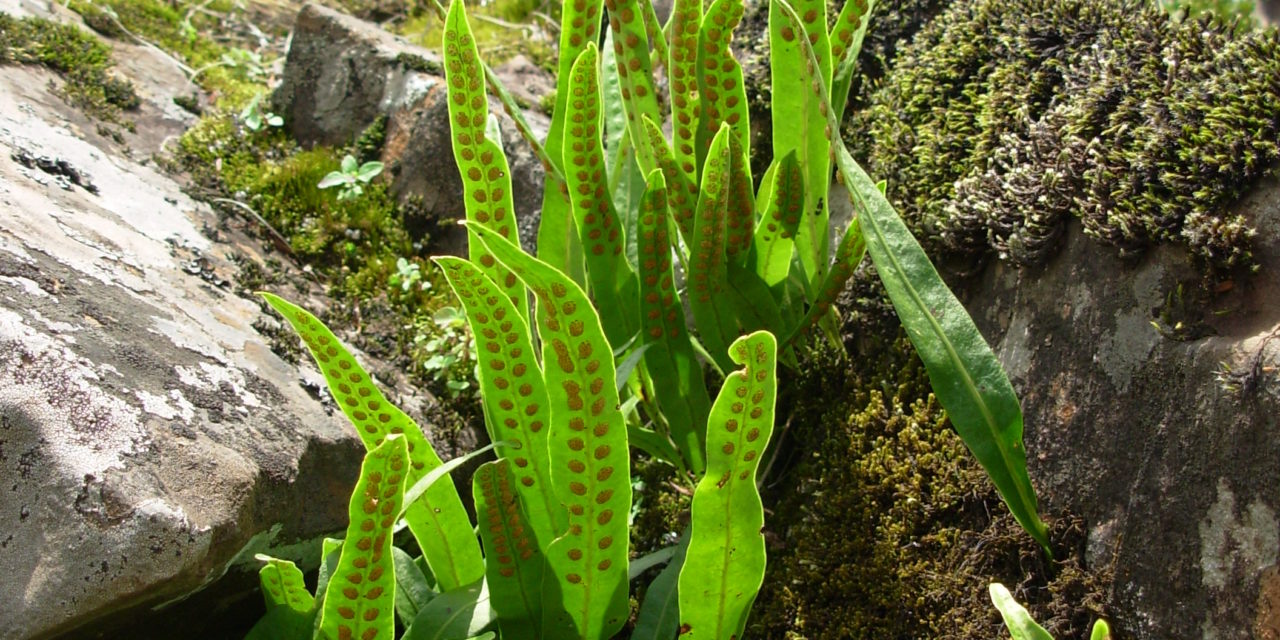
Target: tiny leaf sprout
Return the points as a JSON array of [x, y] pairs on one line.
[[255, 117], [351, 177], [409, 274]]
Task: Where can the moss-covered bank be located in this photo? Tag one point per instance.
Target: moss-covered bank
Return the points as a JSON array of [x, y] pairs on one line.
[[83, 61], [1001, 119], [883, 524]]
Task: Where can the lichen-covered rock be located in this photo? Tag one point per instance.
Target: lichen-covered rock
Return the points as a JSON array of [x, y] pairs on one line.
[[343, 75], [1002, 120], [150, 441], [1151, 412]]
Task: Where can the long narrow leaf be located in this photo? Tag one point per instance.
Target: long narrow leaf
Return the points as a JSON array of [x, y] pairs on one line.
[[486, 177], [708, 268], [635, 71], [846, 42], [513, 557], [360, 599], [590, 463], [775, 235], [682, 191], [1020, 623], [677, 377], [438, 521], [966, 376], [513, 392], [799, 119], [558, 243], [721, 94], [283, 585], [464, 612], [612, 281], [682, 77], [290, 607], [413, 590], [724, 565], [659, 617], [741, 209], [848, 255]]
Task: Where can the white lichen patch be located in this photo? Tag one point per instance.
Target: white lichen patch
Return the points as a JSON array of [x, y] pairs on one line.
[[1122, 353], [173, 407], [63, 329], [210, 376], [86, 430], [1235, 543], [28, 286]]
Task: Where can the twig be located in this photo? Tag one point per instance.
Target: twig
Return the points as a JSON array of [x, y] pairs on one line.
[[276, 239], [501, 23], [188, 71]]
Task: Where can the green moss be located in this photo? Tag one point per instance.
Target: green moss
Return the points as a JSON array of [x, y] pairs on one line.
[[661, 505], [501, 29], [235, 75], [368, 146], [415, 62], [81, 59], [1002, 119], [885, 526]]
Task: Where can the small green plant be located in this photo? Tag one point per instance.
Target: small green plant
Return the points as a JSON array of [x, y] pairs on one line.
[[408, 275], [255, 118], [583, 352], [248, 63], [351, 177], [1023, 627], [451, 348]]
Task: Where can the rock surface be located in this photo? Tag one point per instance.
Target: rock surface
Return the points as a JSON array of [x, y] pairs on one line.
[[150, 441], [342, 74], [1172, 461]]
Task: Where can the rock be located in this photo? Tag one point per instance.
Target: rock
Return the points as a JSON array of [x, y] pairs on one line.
[[526, 81], [1268, 11], [1165, 440], [150, 441], [342, 74]]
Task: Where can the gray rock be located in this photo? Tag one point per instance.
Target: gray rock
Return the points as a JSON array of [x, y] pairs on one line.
[[1172, 460], [150, 441], [342, 74]]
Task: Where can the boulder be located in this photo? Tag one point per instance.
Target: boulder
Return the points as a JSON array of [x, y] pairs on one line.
[[150, 441], [343, 74], [1151, 411]]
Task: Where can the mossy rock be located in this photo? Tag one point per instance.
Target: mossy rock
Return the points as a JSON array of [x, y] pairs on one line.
[[78, 56], [884, 525], [1003, 119]]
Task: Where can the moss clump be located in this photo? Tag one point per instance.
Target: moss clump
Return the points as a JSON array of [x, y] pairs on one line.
[[79, 57], [1003, 118], [236, 75], [661, 505], [415, 62], [503, 29], [368, 146], [884, 527]]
